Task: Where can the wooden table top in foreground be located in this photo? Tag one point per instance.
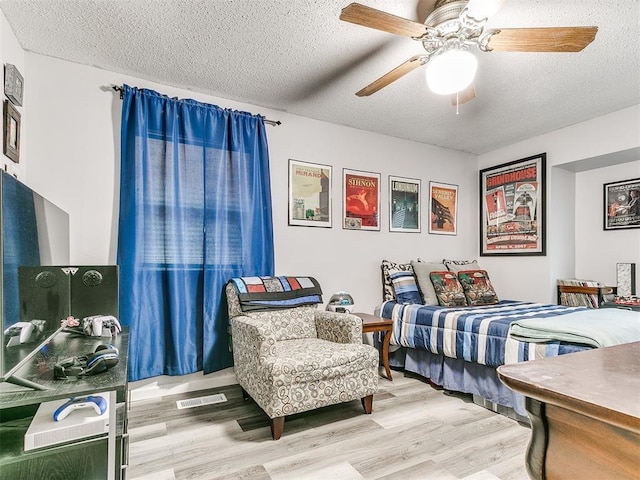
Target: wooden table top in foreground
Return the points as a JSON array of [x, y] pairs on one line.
[[603, 383]]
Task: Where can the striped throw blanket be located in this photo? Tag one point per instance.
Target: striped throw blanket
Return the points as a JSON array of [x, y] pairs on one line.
[[475, 334], [586, 327], [275, 293]]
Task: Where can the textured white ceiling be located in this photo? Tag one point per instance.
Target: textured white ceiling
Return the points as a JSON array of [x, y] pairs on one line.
[[298, 57]]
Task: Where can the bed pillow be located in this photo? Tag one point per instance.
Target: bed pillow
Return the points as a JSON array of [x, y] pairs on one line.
[[422, 270], [405, 287], [477, 287], [448, 289], [457, 265], [387, 284]]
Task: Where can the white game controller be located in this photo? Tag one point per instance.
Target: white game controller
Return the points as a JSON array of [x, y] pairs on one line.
[[102, 326], [99, 405], [27, 330], [24, 332]]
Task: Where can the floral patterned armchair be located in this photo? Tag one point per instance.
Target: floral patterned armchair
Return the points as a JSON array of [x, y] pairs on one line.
[[298, 359]]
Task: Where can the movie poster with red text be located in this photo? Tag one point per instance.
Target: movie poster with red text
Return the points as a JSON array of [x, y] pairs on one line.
[[361, 200], [512, 208], [444, 208]]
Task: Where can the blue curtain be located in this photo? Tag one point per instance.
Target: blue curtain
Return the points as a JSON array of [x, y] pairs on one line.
[[195, 211], [20, 237]]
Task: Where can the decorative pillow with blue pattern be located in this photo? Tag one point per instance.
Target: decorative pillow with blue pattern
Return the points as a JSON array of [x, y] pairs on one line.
[[405, 287]]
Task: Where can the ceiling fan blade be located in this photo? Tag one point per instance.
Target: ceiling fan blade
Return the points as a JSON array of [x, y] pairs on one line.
[[401, 70], [549, 39], [372, 18], [463, 96], [482, 9]]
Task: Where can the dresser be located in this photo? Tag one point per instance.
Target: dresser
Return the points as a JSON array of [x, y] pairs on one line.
[[98, 457], [585, 413]]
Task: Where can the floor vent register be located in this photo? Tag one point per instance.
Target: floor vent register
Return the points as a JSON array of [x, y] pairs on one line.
[[201, 401]]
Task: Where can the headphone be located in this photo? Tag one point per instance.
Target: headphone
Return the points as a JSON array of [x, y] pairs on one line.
[[102, 359]]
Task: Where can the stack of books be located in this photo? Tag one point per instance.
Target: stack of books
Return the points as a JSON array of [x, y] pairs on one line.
[[585, 293]]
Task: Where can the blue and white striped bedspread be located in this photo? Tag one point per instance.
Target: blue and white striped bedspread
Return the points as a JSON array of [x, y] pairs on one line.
[[475, 334]]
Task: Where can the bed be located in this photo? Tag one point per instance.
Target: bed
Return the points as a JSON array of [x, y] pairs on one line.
[[459, 348]]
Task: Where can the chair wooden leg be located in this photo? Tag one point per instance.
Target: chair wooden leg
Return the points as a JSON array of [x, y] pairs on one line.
[[367, 403], [245, 395], [277, 426]]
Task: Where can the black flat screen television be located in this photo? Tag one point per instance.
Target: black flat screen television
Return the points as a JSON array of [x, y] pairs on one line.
[[35, 232]]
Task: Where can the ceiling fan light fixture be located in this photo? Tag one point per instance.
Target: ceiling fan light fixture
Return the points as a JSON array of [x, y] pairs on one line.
[[451, 71], [483, 9]]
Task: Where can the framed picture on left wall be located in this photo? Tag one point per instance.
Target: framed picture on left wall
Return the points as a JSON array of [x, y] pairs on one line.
[[361, 200], [404, 204], [13, 84], [11, 144], [309, 194]]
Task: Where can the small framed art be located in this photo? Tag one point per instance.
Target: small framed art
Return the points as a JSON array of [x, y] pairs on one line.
[[11, 144], [13, 84], [309, 194], [626, 279], [361, 200], [443, 208], [404, 204], [512, 207], [622, 205]]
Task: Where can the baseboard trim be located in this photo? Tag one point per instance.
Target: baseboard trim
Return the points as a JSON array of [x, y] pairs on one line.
[[156, 387]]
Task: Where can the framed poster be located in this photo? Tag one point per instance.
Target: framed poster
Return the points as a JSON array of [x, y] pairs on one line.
[[443, 209], [404, 204], [309, 194], [11, 144], [512, 207], [13, 84], [361, 200], [621, 204]]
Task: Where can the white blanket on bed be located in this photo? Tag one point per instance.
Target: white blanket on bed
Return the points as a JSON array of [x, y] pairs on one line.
[[593, 327]]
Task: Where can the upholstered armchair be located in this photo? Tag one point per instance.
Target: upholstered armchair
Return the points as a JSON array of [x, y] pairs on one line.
[[297, 359]]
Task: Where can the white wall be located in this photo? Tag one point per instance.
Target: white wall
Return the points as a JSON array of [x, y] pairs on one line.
[[70, 153], [347, 259], [574, 238], [74, 131], [73, 135], [597, 250], [11, 52]]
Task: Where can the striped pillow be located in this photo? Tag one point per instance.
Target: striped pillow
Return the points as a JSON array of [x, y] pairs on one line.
[[405, 287], [387, 285]]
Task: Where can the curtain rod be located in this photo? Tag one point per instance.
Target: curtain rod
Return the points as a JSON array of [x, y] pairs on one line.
[[275, 123]]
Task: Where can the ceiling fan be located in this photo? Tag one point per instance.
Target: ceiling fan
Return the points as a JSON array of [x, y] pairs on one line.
[[450, 31]]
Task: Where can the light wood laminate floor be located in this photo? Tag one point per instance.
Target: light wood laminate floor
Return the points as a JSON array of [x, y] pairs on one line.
[[414, 432]]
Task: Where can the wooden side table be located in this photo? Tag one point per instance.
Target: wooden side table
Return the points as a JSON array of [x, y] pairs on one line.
[[635, 307], [371, 323]]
